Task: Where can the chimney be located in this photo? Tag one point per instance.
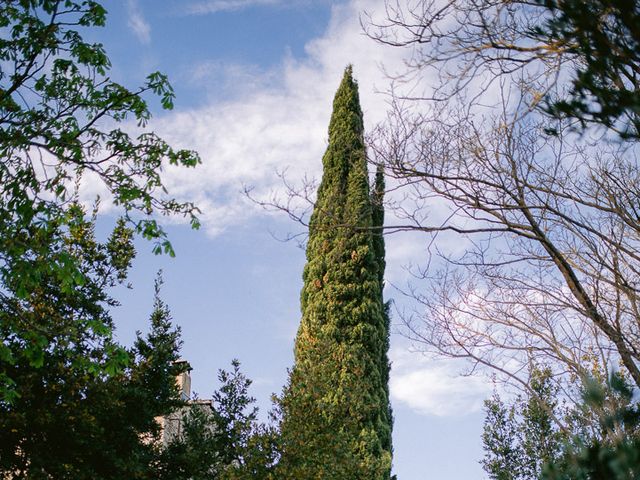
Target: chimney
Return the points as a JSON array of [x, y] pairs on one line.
[[184, 379]]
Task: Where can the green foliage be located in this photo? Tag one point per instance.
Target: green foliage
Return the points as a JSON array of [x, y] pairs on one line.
[[223, 439], [66, 314], [55, 103], [603, 38], [499, 438], [59, 116], [377, 215], [520, 438], [540, 435], [245, 447], [67, 422], [193, 455], [612, 454], [599, 439], [336, 414]]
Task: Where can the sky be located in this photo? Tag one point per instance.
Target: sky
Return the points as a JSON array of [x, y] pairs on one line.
[[254, 81]]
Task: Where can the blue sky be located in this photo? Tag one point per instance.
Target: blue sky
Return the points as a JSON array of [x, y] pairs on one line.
[[254, 81]]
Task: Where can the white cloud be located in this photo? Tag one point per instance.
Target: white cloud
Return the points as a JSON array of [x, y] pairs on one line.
[[267, 121], [263, 121], [275, 120], [137, 22], [434, 386], [227, 77], [278, 121], [215, 6]]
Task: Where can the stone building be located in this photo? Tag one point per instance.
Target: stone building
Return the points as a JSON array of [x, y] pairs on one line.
[[171, 425]]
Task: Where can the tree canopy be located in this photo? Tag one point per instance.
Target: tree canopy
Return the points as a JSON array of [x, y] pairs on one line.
[[336, 413], [62, 120], [574, 59], [67, 422], [73, 402], [523, 148]]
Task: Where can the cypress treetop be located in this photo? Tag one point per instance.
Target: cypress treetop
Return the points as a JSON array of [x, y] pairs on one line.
[[336, 413]]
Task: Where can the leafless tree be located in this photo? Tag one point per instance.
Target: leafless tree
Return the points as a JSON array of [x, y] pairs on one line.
[[464, 40], [574, 59], [550, 219], [547, 210], [551, 263]]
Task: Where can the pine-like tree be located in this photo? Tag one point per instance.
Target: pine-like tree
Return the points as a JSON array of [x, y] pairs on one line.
[[520, 438], [225, 442], [336, 413]]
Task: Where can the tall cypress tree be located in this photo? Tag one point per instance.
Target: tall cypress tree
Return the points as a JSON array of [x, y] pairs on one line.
[[377, 197], [336, 413]]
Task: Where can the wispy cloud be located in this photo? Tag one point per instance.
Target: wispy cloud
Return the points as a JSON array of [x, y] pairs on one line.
[[215, 6], [267, 121], [137, 22], [435, 387], [272, 120]]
